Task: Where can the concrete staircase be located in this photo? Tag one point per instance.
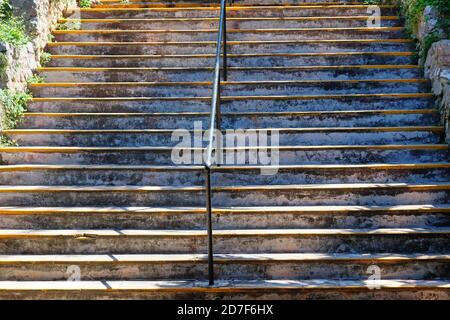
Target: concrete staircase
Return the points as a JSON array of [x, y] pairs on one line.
[[363, 181]]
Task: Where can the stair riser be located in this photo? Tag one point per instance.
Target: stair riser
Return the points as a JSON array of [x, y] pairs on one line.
[[227, 198], [286, 157], [307, 197], [233, 75], [272, 294], [202, 48], [270, 61], [185, 221], [103, 177], [244, 105], [92, 177], [234, 24], [232, 122], [232, 89], [230, 271], [255, 244], [214, 13], [285, 139], [104, 198], [232, 36]]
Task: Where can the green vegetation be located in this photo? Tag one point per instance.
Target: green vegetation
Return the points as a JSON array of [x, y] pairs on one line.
[[45, 58], [35, 78], [86, 3], [12, 29], [6, 141], [14, 105], [413, 10], [69, 25]]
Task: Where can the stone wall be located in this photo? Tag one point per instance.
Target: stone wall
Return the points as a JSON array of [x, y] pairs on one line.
[[437, 69], [19, 62]]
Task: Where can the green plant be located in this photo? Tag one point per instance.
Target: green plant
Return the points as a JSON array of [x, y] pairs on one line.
[[69, 25], [85, 3], [12, 31], [50, 37], [45, 58], [14, 105], [35, 78], [6, 141], [5, 10]]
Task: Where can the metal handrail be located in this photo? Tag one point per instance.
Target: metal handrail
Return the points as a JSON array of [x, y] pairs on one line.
[[215, 123]]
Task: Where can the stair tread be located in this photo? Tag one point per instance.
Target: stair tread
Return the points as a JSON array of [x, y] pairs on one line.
[[372, 166], [218, 258], [287, 18], [147, 148], [127, 69], [396, 209], [242, 7], [266, 113], [233, 98], [226, 286], [87, 233], [232, 55], [231, 42], [225, 83], [109, 31], [281, 130]]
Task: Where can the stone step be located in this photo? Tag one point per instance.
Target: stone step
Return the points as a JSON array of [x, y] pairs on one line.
[[237, 195], [288, 155], [234, 60], [233, 47], [201, 89], [186, 218], [277, 103], [232, 23], [181, 4], [167, 138], [126, 241], [232, 34], [239, 120], [233, 11], [114, 175], [259, 289], [331, 194], [306, 266], [357, 72]]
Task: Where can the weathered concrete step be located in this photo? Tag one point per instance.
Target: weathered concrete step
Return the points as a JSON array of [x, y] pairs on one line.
[[287, 136], [288, 155], [306, 266], [232, 34], [233, 11], [113, 175], [284, 289], [201, 89], [279, 217], [232, 23], [357, 72], [332, 194], [126, 241], [106, 175], [237, 195], [101, 195], [181, 4], [234, 60], [233, 47], [236, 103], [364, 118]]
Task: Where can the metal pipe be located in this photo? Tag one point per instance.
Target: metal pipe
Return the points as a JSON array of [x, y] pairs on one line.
[[215, 123]]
